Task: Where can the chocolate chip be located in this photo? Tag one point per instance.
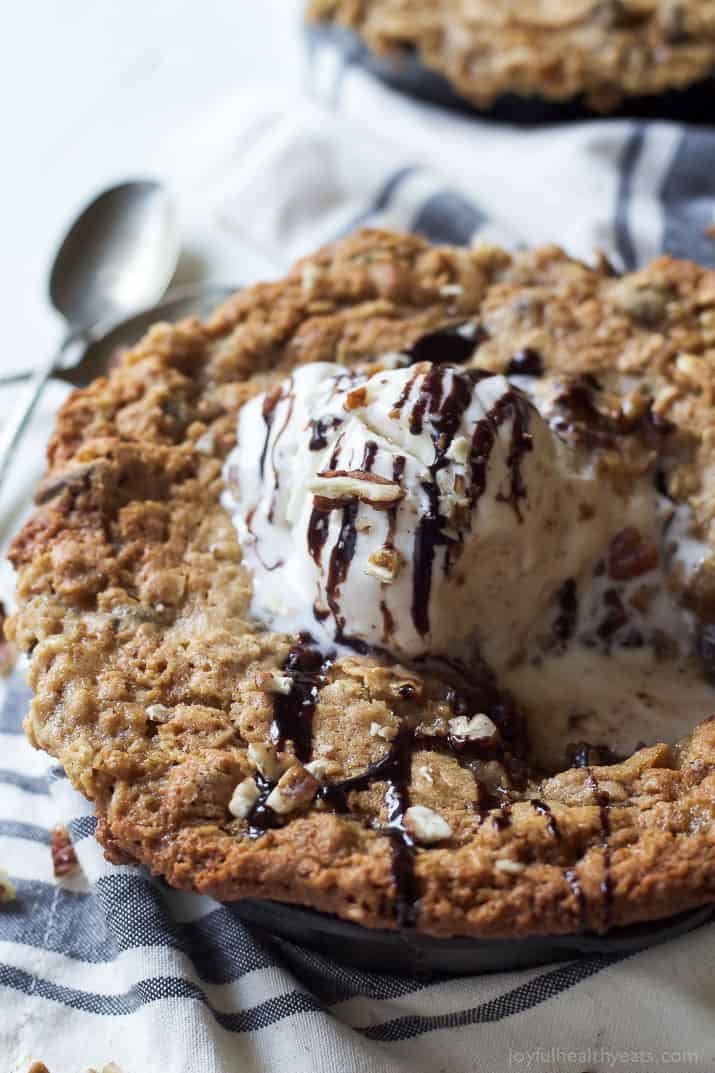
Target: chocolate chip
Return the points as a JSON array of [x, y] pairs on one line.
[[526, 362]]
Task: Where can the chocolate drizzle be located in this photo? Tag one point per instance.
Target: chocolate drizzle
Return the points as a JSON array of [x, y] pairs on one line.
[[319, 521], [398, 469], [268, 412], [318, 429], [293, 712], [318, 527], [518, 408], [581, 420], [428, 538], [543, 810], [446, 412]]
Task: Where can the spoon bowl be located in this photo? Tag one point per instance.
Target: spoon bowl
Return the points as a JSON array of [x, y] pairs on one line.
[[118, 256]]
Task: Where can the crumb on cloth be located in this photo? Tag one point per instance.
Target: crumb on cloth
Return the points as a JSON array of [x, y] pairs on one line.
[[8, 652], [64, 858], [7, 890]]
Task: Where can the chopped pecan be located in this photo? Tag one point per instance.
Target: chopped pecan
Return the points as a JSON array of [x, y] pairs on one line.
[[64, 858], [630, 555]]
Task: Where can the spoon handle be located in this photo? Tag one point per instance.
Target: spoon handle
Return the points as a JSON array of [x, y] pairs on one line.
[[11, 433]]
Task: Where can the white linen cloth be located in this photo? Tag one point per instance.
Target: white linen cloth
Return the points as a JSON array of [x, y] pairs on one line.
[[111, 965]]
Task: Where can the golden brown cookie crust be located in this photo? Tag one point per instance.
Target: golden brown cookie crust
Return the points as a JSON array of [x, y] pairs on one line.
[[150, 678], [600, 50]]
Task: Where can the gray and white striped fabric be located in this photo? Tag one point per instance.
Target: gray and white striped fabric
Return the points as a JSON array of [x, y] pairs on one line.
[[111, 965]]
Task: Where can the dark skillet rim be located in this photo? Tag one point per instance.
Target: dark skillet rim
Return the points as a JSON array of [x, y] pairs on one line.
[[405, 72], [408, 950]]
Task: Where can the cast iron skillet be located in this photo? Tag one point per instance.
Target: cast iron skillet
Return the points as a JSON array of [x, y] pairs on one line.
[[405, 72], [406, 951], [403, 951]]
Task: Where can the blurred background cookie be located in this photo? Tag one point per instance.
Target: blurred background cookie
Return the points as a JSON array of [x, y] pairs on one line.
[[535, 60]]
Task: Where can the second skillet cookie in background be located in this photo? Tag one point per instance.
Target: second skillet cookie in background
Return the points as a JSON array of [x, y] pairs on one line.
[[585, 55]]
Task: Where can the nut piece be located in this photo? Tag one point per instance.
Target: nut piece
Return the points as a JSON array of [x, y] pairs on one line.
[[321, 769], [273, 682], [64, 858], [377, 730], [7, 890], [344, 485], [630, 555], [458, 450], [426, 825], [268, 761], [296, 787], [357, 398], [511, 868], [244, 798], [158, 713], [479, 728], [691, 370], [384, 564]]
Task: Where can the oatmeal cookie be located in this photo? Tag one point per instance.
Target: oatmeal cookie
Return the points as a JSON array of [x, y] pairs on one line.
[[236, 761], [599, 51]]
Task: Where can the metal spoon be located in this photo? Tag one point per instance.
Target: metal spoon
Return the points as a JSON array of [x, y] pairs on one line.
[[118, 256], [103, 343]]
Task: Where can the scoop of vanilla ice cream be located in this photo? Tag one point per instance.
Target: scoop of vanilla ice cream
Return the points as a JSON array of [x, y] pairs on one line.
[[422, 509]]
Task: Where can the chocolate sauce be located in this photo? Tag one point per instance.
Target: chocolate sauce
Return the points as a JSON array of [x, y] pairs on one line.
[[448, 346], [398, 469], [262, 818], [394, 769], [340, 558], [270, 402], [565, 623], [388, 622], [319, 521], [430, 395], [526, 362], [318, 429], [446, 413], [584, 422], [543, 810], [405, 394], [342, 555], [318, 527], [518, 408], [293, 712], [482, 443], [428, 538]]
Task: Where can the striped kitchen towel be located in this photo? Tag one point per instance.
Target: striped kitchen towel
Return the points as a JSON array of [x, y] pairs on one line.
[[110, 965]]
